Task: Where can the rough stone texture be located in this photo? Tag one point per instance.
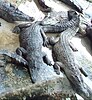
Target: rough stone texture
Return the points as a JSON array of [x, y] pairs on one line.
[[8, 40], [15, 83]]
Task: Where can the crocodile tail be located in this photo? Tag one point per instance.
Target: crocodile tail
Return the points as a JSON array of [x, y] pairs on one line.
[[84, 91], [14, 57], [33, 79]]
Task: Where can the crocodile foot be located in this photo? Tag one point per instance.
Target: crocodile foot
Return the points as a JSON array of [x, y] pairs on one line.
[[58, 66], [52, 41], [21, 51]]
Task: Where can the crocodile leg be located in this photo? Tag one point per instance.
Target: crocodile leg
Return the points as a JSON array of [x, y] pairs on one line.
[[14, 57], [45, 40], [21, 51], [73, 47], [58, 66], [52, 41], [17, 29], [46, 59]]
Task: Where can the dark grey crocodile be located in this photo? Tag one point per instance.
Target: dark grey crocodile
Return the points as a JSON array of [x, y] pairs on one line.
[[64, 59], [69, 21], [44, 7], [32, 38], [9, 13]]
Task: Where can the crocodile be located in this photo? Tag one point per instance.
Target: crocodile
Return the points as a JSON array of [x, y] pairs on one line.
[[10, 13], [44, 7], [58, 26], [31, 39], [73, 4], [64, 60], [54, 17]]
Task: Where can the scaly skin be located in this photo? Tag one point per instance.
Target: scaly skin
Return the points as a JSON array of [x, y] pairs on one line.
[[9, 13], [31, 41], [54, 17], [32, 38], [62, 53], [60, 26]]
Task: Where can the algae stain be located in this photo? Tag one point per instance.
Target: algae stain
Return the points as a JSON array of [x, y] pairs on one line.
[[8, 40]]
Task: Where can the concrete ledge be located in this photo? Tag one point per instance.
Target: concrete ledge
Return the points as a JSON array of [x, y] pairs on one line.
[[16, 85]]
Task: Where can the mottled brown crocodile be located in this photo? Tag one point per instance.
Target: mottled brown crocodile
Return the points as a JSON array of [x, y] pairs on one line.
[[53, 25], [64, 59]]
